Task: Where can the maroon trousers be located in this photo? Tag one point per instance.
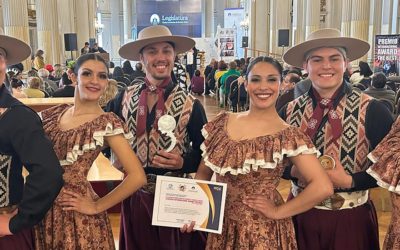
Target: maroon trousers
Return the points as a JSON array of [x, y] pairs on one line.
[[137, 233], [20, 241], [355, 229]]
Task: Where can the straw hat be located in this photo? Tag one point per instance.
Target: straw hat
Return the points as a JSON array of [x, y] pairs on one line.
[[355, 48], [13, 49], [154, 34]]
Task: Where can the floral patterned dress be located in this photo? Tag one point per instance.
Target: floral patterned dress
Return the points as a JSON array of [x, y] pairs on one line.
[[77, 149], [386, 170], [251, 166]]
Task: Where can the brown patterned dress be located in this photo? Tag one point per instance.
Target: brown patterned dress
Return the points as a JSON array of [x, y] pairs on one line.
[[251, 166], [386, 170], [77, 149]]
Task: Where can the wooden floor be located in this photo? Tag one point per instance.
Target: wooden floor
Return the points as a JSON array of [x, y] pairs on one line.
[[378, 195]]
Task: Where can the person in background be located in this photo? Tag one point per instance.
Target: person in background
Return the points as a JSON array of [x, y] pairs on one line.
[[127, 68], [378, 89], [138, 71], [328, 113], [68, 89], [85, 49], [79, 132], [287, 91], [16, 86], [38, 61], [23, 143], [197, 83], [33, 90], [141, 106], [97, 49], [249, 152]]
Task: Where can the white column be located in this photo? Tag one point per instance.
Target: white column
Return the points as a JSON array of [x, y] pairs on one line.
[[387, 16], [82, 22], [15, 16], [209, 20], [66, 23], [127, 13], [334, 14], [375, 24], [346, 17], [92, 17], [299, 16], [280, 19], [259, 27], [360, 20], [115, 31], [49, 38], [1, 15], [312, 16], [232, 3]]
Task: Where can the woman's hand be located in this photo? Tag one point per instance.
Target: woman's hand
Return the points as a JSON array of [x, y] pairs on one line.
[[263, 205], [5, 222], [188, 228], [72, 201]]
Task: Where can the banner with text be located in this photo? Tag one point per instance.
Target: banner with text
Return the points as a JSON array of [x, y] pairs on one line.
[[226, 44], [182, 17], [387, 54]]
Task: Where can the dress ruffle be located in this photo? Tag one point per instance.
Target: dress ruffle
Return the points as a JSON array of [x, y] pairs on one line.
[[83, 138], [223, 155], [386, 159]]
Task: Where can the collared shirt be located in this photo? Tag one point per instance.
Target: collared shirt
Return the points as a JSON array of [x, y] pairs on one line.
[[23, 143], [378, 121], [198, 118]]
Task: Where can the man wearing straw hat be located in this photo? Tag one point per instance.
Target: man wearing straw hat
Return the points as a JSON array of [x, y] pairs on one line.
[[176, 152], [344, 124], [22, 143]]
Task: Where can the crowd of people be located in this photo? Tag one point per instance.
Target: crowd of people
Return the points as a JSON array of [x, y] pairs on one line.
[[283, 121]]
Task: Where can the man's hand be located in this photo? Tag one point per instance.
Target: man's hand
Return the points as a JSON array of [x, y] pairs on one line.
[[5, 222], [338, 176], [167, 160]]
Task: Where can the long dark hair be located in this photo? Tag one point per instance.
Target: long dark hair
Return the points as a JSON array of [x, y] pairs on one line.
[[86, 57], [266, 59]]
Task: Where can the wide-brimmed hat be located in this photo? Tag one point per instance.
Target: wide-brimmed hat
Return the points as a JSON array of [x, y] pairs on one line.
[[14, 49], [355, 48], [154, 34]]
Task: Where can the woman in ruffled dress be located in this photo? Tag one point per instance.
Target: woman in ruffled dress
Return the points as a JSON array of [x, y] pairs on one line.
[[249, 151], [79, 132], [386, 170]]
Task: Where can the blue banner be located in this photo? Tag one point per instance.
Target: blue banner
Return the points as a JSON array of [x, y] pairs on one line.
[[182, 17]]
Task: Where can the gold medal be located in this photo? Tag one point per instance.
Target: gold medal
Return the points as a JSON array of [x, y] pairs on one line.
[[327, 162]]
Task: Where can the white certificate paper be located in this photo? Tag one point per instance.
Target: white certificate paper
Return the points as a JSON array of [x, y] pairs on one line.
[[180, 201]]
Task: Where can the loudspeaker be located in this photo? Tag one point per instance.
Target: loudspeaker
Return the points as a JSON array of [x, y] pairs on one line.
[[70, 42], [245, 41], [283, 38]]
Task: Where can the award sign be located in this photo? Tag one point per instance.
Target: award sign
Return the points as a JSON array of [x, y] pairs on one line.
[[166, 125]]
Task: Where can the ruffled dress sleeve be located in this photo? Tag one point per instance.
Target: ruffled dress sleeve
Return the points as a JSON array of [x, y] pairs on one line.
[[72, 143], [386, 160], [223, 155]]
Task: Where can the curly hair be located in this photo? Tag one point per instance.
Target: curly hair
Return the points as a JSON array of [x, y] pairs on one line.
[[109, 93]]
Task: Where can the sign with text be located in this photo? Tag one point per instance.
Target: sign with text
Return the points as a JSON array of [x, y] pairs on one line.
[[182, 17], [387, 54]]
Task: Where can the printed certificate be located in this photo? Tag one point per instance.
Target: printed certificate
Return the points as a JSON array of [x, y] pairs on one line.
[[180, 201]]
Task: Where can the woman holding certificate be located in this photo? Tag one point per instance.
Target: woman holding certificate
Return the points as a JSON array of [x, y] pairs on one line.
[[249, 151]]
